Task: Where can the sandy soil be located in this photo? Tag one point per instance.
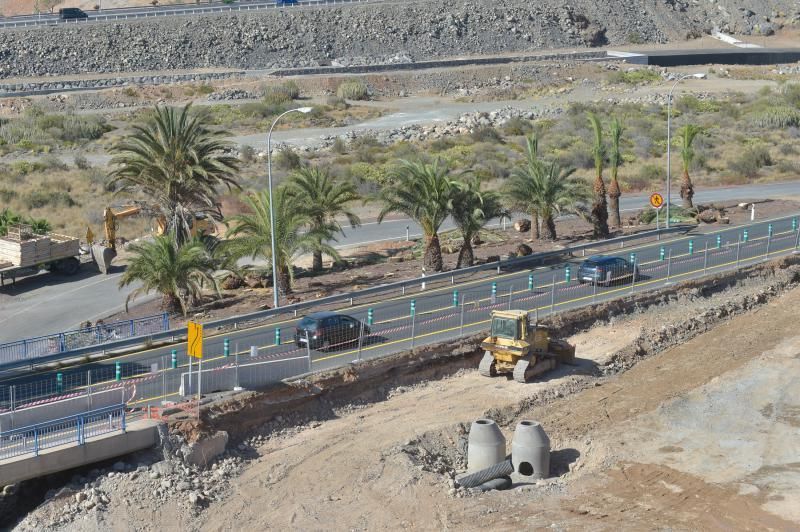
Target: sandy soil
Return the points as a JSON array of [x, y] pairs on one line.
[[703, 436]]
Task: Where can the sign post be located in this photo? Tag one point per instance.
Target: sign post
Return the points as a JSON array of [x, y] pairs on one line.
[[194, 348], [657, 201]]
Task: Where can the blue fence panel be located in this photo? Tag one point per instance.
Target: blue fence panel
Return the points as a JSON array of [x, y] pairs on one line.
[[69, 430], [53, 344]]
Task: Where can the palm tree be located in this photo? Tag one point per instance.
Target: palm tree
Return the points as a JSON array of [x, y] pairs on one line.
[[472, 210], [250, 234], [557, 192], [599, 205], [517, 191], [615, 158], [686, 136], [177, 273], [323, 199], [424, 193], [179, 163]]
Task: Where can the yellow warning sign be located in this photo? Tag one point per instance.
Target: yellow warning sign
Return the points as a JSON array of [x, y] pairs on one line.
[[194, 340]]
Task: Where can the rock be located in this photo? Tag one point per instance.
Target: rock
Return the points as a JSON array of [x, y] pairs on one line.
[[183, 486], [523, 250], [708, 216], [523, 225], [202, 452], [80, 497]]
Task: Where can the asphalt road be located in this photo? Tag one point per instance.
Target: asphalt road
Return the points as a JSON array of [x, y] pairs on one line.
[[105, 15], [438, 315], [49, 303]]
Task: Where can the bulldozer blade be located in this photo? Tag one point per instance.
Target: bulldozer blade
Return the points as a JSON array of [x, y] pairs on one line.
[[102, 257], [488, 365]]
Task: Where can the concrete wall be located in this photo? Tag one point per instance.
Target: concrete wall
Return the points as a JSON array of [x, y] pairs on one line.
[[63, 408], [140, 435]]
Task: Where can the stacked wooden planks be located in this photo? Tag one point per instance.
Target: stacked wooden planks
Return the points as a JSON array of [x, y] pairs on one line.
[[36, 250]]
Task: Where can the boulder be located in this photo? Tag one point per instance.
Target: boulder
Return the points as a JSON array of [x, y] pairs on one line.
[[523, 225], [523, 250]]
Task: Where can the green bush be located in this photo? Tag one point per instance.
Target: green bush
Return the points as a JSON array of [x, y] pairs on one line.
[[634, 77], [81, 162], [276, 97], [287, 159], [486, 134], [353, 89], [337, 103], [41, 198], [339, 146], [778, 117], [635, 37], [39, 226], [7, 195], [247, 154], [750, 161], [516, 126]]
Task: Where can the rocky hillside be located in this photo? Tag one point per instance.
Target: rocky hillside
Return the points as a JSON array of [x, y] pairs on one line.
[[301, 37]]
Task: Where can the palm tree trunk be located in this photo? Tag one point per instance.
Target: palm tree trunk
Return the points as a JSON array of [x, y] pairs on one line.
[[613, 199], [316, 263], [534, 225], [284, 281], [466, 257], [600, 209], [433, 254], [687, 190], [548, 227]]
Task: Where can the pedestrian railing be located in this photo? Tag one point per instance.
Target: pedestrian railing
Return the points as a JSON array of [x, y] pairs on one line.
[[53, 344], [64, 431]]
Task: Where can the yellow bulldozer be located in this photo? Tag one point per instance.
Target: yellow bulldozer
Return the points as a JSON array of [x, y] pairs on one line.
[[104, 253], [521, 347]]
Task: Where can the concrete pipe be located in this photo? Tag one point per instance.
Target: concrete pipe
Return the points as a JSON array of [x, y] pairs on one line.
[[530, 450], [486, 445], [483, 476]]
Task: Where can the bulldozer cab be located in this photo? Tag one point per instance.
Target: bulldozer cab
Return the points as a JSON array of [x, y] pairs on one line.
[[508, 327]]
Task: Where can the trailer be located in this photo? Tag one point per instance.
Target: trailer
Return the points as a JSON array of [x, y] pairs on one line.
[[23, 253]]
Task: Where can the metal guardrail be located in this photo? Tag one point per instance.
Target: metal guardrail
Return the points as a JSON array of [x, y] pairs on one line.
[[164, 11], [401, 286], [69, 341], [72, 429]]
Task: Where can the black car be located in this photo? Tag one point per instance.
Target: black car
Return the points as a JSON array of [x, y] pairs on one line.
[[69, 13], [604, 270], [328, 329]]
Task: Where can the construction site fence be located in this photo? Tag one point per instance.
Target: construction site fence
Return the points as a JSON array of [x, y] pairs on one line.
[[261, 356], [30, 349]]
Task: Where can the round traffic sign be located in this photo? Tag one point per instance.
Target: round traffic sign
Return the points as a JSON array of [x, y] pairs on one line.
[[656, 200]]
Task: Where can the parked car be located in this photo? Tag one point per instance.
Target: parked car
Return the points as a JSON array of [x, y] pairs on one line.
[[605, 270], [285, 2], [328, 329], [69, 13]]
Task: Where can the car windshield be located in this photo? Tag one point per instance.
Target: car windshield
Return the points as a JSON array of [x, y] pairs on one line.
[[308, 323], [505, 328]]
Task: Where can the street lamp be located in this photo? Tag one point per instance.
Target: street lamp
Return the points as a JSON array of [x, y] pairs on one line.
[[669, 136], [303, 110]]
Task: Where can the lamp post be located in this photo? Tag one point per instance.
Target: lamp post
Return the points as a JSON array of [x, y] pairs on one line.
[[271, 209], [669, 137]]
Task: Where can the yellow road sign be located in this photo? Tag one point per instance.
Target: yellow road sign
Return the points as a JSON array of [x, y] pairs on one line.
[[656, 200], [194, 340]]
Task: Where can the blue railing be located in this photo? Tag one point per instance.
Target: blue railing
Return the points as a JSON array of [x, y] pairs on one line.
[[68, 430], [53, 344]]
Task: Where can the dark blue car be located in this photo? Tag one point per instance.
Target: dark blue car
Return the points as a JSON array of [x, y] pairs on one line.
[[286, 2], [605, 270]]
